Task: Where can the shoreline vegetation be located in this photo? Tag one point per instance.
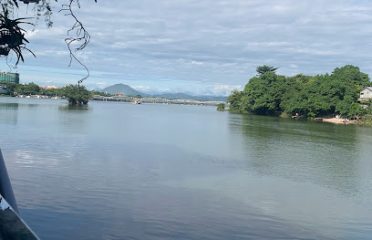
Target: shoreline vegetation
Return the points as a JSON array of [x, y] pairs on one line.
[[78, 95], [331, 98]]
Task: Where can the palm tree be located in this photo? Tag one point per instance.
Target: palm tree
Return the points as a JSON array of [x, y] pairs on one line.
[[265, 69], [12, 37]]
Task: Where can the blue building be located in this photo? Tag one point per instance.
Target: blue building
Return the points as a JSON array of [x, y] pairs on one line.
[[9, 77]]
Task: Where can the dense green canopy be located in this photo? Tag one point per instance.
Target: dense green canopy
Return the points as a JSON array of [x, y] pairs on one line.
[[308, 96], [76, 94]]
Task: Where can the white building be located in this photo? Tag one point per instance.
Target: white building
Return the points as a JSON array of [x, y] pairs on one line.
[[366, 94]]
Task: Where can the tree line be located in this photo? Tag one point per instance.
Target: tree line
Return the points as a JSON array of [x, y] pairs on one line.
[[269, 93], [75, 94]]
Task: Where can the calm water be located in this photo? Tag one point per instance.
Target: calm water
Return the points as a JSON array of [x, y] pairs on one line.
[[123, 171]]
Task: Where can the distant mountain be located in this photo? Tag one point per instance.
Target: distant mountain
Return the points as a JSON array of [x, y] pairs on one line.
[[173, 95], [129, 91], [122, 89]]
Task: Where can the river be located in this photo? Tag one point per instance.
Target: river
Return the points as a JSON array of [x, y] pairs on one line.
[[151, 171]]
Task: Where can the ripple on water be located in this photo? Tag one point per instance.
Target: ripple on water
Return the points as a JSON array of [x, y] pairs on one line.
[[118, 171]]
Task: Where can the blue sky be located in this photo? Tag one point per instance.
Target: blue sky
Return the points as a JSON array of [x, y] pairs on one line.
[[202, 46]]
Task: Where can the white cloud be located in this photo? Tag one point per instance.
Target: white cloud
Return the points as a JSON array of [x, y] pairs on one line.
[[193, 62], [174, 44], [224, 89]]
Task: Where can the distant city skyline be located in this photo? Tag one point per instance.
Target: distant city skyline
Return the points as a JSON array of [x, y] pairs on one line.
[[207, 47]]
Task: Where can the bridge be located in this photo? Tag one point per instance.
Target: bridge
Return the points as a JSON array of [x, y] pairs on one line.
[[156, 100]]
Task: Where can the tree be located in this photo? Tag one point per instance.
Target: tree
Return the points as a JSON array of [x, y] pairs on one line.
[[235, 101], [27, 89], [265, 69], [12, 33], [221, 107], [264, 94], [12, 36], [308, 96], [76, 94], [10, 87]]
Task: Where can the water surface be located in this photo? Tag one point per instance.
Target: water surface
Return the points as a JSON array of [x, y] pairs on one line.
[[123, 171]]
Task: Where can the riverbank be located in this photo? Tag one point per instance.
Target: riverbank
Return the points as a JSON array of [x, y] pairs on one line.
[[363, 121], [339, 121]]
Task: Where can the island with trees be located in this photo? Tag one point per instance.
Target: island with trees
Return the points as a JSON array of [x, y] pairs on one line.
[[301, 96], [75, 94]]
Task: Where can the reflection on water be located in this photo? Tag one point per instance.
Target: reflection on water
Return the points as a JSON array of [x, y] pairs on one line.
[[69, 117], [321, 153], [80, 108], [124, 171], [8, 113]]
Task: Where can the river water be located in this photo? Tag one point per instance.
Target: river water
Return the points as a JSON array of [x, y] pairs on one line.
[[124, 171]]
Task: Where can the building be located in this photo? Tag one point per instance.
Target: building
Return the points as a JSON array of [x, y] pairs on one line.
[[50, 87], [9, 77], [3, 90], [366, 94]]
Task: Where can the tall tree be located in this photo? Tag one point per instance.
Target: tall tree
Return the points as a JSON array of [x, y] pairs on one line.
[[316, 96], [12, 31], [265, 69]]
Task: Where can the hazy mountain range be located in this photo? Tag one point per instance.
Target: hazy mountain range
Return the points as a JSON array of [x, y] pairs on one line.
[[122, 89], [129, 91]]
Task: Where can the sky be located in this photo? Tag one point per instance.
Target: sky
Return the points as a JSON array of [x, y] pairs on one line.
[[202, 47]]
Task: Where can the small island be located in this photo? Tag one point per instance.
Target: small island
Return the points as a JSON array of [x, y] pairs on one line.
[[75, 94], [336, 98]]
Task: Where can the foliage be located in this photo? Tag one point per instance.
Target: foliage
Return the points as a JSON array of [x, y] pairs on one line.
[[235, 101], [10, 87], [366, 120], [76, 94], [307, 96], [221, 107], [54, 92], [12, 35], [263, 94], [27, 89], [41, 8], [101, 93], [265, 69]]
